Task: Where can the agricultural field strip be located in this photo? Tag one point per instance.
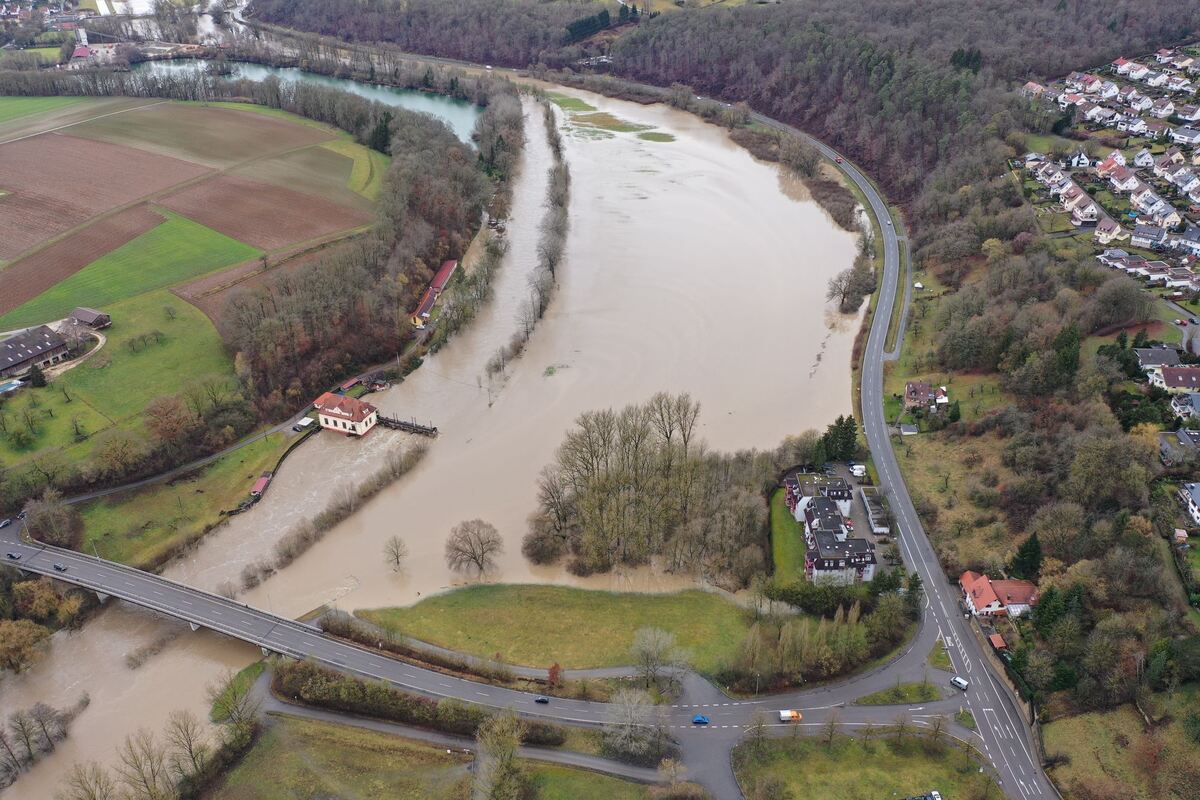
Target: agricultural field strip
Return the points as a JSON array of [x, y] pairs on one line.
[[155, 196], [82, 121]]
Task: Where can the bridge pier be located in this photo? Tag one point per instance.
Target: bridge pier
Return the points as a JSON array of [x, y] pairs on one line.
[[265, 651], [102, 597], [193, 626]]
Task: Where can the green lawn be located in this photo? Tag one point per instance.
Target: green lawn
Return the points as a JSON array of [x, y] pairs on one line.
[[787, 540], [243, 680], [608, 122], [171, 253], [567, 103], [966, 719], [48, 418], [47, 55], [366, 176], [901, 694], [852, 770], [539, 625], [13, 107], [142, 527], [298, 758]]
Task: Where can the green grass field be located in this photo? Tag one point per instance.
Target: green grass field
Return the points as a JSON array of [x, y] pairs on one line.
[[656, 136], [851, 770], [49, 419], [13, 107], [366, 176], [939, 657], [141, 527], [298, 758], [171, 253], [242, 680], [901, 694], [47, 55], [539, 625], [568, 103], [787, 540]]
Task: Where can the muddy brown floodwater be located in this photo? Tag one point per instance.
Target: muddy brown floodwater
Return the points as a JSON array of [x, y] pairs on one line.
[[690, 268]]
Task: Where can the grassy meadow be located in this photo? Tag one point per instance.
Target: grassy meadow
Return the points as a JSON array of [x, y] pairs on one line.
[[853, 770], [13, 107], [787, 540], [298, 758], [170, 253], [539, 625]]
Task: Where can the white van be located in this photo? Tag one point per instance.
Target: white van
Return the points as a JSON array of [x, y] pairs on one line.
[[858, 470], [960, 683]]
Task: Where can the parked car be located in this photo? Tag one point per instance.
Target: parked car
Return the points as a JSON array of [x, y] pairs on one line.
[[60, 567], [303, 425], [13, 556], [541, 700], [959, 683], [700, 719], [20, 515], [4, 523]]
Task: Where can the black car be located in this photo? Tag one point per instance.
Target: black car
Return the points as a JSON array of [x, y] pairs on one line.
[[541, 700], [13, 556], [21, 515], [60, 567]]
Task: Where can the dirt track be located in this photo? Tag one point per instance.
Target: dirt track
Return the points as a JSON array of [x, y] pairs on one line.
[[27, 278]]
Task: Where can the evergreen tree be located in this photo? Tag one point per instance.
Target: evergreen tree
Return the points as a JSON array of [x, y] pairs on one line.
[[1027, 562], [36, 376], [914, 594]]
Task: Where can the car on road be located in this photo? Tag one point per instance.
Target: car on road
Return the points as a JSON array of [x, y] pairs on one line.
[[60, 567], [12, 556], [1195, 320], [4, 523], [889, 223], [541, 700], [790, 715], [959, 683], [838, 159], [20, 515], [700, 719]]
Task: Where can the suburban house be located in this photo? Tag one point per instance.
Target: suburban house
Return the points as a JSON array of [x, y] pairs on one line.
[[1176, 380], [1033, 89], [1137, 71], [348, 415], [1156, 358], [1143, 159], [1189, 495], [1108, 231], [36, 347], [1186, 406], [91, 317], [845, 562], [1123, 179], [1177, 447], [805, 489], [985, 597], [1187, 136], [1156, 129], [1188, 113], [1163, 108], [1148, 236], [1080, 159]]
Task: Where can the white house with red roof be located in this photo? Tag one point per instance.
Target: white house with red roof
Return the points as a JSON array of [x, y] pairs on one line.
[[345, 414], [985, 597]]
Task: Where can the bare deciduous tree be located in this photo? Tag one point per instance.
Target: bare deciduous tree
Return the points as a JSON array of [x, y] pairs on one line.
[[654, 652], [49, 724], [395, 551], [636, 729], [232, 700], [498, 774], [473, 545], [142, 767], [24, 733], [89, 781], [185, 736], [830, 728]]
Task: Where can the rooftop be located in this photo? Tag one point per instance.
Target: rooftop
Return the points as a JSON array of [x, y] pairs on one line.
[[16, 350]]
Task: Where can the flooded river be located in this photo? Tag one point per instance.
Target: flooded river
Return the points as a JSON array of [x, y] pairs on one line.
[[690, 267]]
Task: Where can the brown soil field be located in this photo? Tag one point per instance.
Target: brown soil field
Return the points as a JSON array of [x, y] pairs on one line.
[[56, 182], [210, 293], [264, 216], [217, 137], [27, 278]]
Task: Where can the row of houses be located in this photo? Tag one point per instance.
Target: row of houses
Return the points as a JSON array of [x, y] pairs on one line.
[[833, 555], [1180, 276]]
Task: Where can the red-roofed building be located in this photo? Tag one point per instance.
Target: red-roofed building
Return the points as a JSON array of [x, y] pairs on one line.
[[985, 597], [347, 415], [81, 51], [436, 287]]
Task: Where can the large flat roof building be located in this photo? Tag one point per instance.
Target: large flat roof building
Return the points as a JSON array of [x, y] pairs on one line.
[[38, 346]]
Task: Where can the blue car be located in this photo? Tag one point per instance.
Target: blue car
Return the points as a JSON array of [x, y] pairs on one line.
[[700, 719]]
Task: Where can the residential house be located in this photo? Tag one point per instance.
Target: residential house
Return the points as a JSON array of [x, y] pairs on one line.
[[1121, 65], [1164, 55], [1127, 95], [345, 414], [1186, 406], [1163, 108], [1178, 83], [1156, 357], [1182, 61], [1156, 129], [1148, 236], [1124, 179], [1108, 90], [1068, 99], [1137, 71], [1170, 156], [1108, 231], [1176, 380], [1166, 217], [90, 317], [1189, 494], [847, 562], [1188, 113], [1179, 278], [1144, 158], [1186, 136], [1141, 103], [1178, 447], [1156, 273], [1156, 79], [1080, 159], [1049, 173], [918, 394], [35, 347], [1112, 256], [1135, 126], [1033, 89], [985, 597], [1188, 241]]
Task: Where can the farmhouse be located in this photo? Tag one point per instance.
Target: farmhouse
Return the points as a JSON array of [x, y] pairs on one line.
[[91, 317], [345, 414], [985, 597], [38, 347]]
